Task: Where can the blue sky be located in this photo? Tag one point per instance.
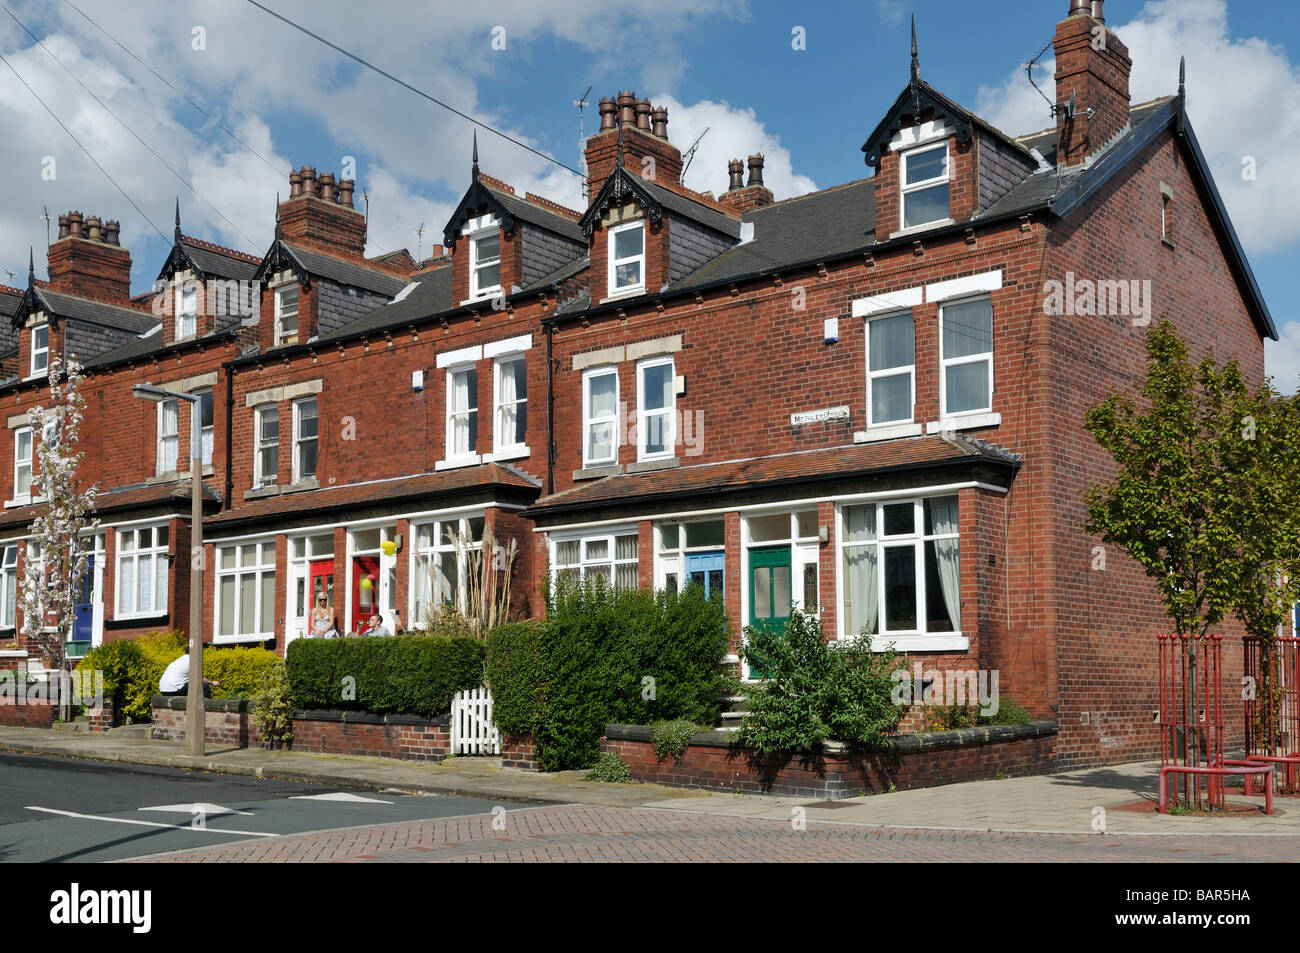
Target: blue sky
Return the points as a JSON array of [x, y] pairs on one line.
[[728, 66]]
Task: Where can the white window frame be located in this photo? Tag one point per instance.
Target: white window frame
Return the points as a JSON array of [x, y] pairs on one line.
[[945, 362], [8, 579], [673, 560], [42, 352], [614, 290], [265, 563], [280, 336], [129, 608], [905, 190], [208, 431], [469, 455], [299, 441], [588, 421], [643, 415], [502, 450], [187, 318], [911, 639], [261, 479], [909, 369], [476, 291], [27, 463], [423, 558], [585, 563], [162, 468]]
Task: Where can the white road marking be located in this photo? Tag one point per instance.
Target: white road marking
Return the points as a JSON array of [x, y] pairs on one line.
[[209, 810], [338, 796], [125, 820]]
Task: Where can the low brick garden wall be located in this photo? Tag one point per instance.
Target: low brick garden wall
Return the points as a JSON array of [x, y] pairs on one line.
[[27, 716], [914, 761], [228, 722]]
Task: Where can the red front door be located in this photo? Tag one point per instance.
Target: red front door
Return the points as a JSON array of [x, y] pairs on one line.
[[321, 579], [365, 590]]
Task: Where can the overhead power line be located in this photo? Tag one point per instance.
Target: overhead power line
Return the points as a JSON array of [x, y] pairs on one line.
[[163, 79], [407, 86], [121, 122], [89, 156]]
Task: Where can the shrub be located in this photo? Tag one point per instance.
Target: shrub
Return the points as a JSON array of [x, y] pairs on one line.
[[407, 674], [816, 692], [611, 768], [239, 669], [951, 717], [273, 708], [605, 655], [671, 738], [132, 668]]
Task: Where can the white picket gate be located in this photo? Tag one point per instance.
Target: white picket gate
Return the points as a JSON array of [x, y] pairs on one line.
[[472, 730]]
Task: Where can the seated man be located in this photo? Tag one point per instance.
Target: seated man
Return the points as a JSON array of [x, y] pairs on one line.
[[377, 626], [176, 679]]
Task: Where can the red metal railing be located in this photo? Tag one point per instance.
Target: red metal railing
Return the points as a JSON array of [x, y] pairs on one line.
[[1271, 693], [1191, 715]]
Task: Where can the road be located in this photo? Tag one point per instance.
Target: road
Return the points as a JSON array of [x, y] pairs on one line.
[[54, 809]]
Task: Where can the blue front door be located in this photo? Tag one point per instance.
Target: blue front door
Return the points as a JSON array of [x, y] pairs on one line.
[[706, 569], [83, 613]]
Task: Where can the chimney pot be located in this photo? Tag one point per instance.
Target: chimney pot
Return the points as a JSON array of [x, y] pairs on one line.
[[308, 180], [736, 173], [1096, 11], [111, 232], [327, 186], [74, 224], [93, 226], [1080, 8], [643, 114], [756, 169], [626, 109], [659, 121], [295, 184], [346, 188], [607, 110], [63, 226]]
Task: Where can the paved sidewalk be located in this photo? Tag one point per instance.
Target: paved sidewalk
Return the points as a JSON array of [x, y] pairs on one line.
[[1073, 803]]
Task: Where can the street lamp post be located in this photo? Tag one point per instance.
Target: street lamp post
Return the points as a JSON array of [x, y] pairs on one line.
[[194, 699]]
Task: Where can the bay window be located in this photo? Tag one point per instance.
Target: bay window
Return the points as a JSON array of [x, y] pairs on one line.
[[656, 408], [627, 258], [600, 417], [966, 333], [923, 178], [142, 567], [440, 559], [900, 568], [891, 369], [8, 586], [245, 592], [609, 558]]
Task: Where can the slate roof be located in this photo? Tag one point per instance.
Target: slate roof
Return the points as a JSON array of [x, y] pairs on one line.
[[431, 295], [447, 482], [1045, 141], [526, 211], [343, 271], [136, 495], [151, 343], [682, 205], [861, 460], [218, 262], [10, 298], [93, 311], [561, 274], [809, 228]]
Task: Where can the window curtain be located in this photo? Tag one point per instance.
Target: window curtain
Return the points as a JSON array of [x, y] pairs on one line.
[[509, 410], [943, 513], [170, 439], [460, 422], [603, 407], [861, 593]]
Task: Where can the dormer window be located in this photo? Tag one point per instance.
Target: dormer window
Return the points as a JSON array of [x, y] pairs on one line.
[[187, 310], [485, 265], [286, 314], [627, 258], [40, 349], [924, 183]]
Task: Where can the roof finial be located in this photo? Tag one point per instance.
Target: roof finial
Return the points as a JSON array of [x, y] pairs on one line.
[[916, 65], [474, 168], [1182, 76], [278, 234], [178, 218], [618, 148], [31, 267]]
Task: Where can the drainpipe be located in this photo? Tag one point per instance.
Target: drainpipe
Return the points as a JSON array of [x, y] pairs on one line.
[[230, 415], [550, 410]]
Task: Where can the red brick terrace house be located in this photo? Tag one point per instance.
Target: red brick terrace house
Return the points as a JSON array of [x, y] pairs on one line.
[[863, 402]]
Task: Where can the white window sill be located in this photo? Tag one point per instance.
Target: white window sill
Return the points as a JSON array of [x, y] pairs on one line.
[[231, 639], [129, 616], [487, 295], [887, 432], [454, 463], [917, 229], [935, 642], [506, 453], [600, 464], [625, 293], [964, 422]]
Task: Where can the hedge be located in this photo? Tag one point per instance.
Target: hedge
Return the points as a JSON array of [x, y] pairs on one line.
[[404, 674], [606, 656]]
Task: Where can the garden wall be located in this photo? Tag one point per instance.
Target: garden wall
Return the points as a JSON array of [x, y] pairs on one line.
[[915, 761]]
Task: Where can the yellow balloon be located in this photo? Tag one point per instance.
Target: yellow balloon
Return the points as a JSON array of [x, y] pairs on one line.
[[389, 547], [365, 583]]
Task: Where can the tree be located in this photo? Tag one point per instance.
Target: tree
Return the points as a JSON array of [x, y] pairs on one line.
[[57, 557]]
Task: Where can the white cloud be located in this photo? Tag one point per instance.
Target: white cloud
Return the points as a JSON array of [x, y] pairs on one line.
[[1243, 99], [890, 12], [734, 133], [1282, 358]]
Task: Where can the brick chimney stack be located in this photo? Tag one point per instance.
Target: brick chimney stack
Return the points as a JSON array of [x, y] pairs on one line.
[[740, 197], [1093, 66], [646, 149], [86, 259], [319, 213]]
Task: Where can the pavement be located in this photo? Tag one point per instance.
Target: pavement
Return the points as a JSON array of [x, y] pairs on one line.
[[1110, 800]]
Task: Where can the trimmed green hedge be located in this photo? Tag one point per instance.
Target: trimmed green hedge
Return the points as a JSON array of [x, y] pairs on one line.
[[406, 674], [606, 656]]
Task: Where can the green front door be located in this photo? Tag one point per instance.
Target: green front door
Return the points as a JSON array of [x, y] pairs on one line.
[[769, 593]]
